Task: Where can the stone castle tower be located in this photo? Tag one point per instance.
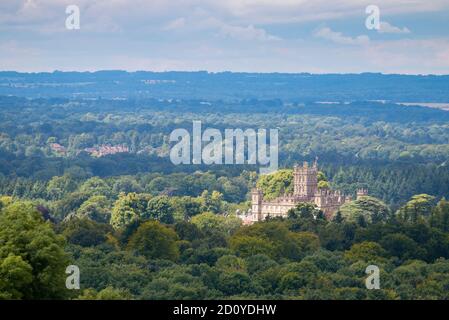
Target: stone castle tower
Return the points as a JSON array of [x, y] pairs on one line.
[[256, 202], [305, 189], [305, 180]]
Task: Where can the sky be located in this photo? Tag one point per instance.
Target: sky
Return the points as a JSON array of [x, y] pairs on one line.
[[316, 36]]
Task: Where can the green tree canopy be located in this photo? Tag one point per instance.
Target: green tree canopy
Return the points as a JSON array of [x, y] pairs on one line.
[[210, 222], [32, 257], [96, 208], [96, 186], [160, 208], [129, 208], [420, 205], [366, 252], [108, 293], [440, 216], [366, 208], [276, 184], [276, 236], [305, 210], [155, 241], [85, 232]]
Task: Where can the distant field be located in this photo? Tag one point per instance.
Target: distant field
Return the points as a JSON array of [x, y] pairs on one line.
[[442, 106]]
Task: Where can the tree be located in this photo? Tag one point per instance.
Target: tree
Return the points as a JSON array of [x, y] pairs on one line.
[[246, 246], [69, 204], [129, 208], [126, 184], [367, 252], [160, 208], [157, 185], [321, 177], [365, 209], [211, 202], [298, 275], [259, 263], [5, 201], [185, 207], [85, 232], [178, 282], [323, 185], [187, 231], [307, 242], [96, 187], [420, 205], [96, 208], [326, 261], [440, 216], [337, 218], [234, 282], [401, 246], [29, 242], [209, 222], [59, 186], [276, 184], [16, 275], [108, 293], [276, 235], [304, 210], [155, 241], [232, 190], [229, 263]]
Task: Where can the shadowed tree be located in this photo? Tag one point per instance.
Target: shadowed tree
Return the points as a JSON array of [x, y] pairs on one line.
[[32, 258], [155, 241]]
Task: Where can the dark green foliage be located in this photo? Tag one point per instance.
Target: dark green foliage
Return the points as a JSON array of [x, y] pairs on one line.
[[365, 210], [174, 234], [159, 208], [32, 257], [85, 232], [154, 241]]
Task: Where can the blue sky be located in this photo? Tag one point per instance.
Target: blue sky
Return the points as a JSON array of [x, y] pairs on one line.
[[318, 36]]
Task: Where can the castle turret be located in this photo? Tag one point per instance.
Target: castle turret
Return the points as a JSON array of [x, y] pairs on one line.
[[256, 202], [305, 183]]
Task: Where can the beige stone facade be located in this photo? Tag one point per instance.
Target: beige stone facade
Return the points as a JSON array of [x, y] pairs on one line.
[[305, 189]]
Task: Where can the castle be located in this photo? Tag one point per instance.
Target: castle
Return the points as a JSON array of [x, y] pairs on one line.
[[305, 189]]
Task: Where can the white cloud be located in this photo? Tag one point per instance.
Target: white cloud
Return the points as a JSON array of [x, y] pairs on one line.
[[235, 12], [409, 56], [285, 11], [139, 34], [246, 33], [176, 24], [338, 37], [385, 27], [201, 21]]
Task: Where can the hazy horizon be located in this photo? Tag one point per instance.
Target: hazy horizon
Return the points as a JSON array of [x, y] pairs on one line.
[[226, 71]]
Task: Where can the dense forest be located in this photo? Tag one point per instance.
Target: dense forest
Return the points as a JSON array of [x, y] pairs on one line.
[[86, 180], [395, 151], [147, 253]]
